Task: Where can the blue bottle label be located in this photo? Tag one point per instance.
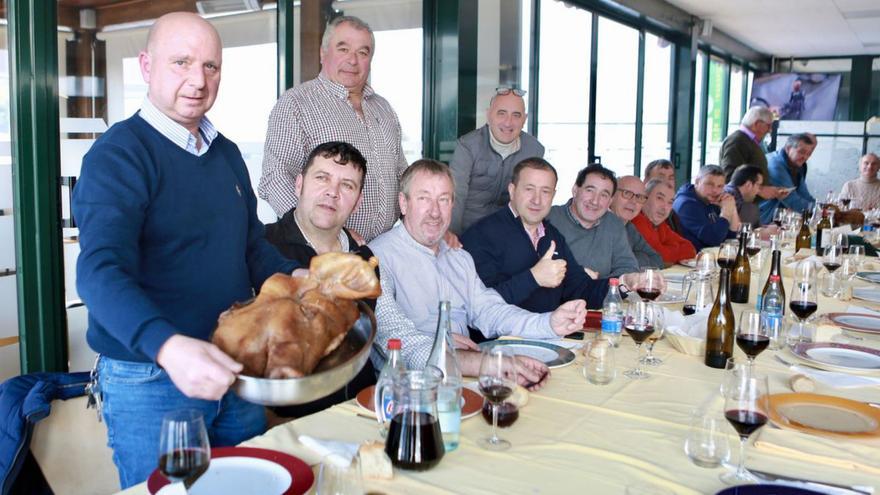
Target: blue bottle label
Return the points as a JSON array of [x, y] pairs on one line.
[[388, 406], [611, 326]]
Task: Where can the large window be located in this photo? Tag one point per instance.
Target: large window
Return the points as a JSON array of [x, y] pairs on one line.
[[655, 112], [716, 129], [617, 77], [564, 92], [735, 110], [698, 113]]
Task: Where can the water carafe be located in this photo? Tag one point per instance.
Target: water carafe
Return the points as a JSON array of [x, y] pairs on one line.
[[414, 440], [699, 290]]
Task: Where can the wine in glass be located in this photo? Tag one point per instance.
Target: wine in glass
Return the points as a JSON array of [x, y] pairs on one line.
[[639, 323], [727, 254], [746, 407], [650, 284], [497, 383], [659, 329], [753, 243], [751, 336], [804, 300], [184, 450]]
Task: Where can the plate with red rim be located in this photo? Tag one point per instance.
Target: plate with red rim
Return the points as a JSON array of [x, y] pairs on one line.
[[235, 470], [824, 415], [472, 402], [833, 356], [856, 322]]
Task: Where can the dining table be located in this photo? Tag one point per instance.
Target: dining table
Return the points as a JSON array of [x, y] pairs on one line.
[[625, 437]]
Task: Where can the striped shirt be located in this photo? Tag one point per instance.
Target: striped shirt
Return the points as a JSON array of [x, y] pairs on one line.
[[175, 132], [319, 111]]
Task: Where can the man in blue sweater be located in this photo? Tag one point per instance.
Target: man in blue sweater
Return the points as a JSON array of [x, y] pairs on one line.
[[788, 170], [525, 258], [707, 214], [169, 239]]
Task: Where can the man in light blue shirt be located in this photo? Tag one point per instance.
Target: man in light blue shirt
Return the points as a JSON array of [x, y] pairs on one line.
[[418, 270]]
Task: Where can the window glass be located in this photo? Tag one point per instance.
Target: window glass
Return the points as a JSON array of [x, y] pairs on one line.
[[735, 110], [655, 110], [715, 127], [564, 102], [9, 354], [698, 105], [618, 68]]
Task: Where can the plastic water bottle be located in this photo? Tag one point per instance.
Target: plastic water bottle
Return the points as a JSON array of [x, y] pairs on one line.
[[612, 313], [383, 396], [772, 310], [449, 392]]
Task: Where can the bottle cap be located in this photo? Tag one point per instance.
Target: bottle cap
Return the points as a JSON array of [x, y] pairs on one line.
[[613, 282], [774, 278], [393, 344]]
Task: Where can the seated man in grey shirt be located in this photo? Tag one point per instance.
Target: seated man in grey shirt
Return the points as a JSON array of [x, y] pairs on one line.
[[418, 270], [626, 204], [595, 235]]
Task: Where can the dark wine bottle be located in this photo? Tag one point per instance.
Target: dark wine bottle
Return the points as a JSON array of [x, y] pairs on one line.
[[823, 239], [741, 274], [804, 235], [775, 269], [719, 327]]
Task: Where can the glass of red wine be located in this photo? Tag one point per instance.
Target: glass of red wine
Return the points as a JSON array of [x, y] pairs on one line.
[[751, 336], [639, 322], [184, 450], [727, 254], [497, 383], [804, 300], [746, 406], [651, 284]]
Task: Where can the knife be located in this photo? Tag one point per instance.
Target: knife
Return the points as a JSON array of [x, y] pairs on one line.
[[861, 489]]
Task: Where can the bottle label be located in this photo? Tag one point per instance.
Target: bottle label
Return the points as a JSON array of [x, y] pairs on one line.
[[611, 326], [387, 405], [760, 299]]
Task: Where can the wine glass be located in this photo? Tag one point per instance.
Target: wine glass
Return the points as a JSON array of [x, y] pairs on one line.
[[857, 253], [184, 450], [706, 263], [336, 477], [779, 217], [727, 254], [751, 336], [639, 322], [746, 407], [659, 329], [650, 284], [844, 202], [497, 383], [832, 259], [804, 301], [840, 239], [733, 370]]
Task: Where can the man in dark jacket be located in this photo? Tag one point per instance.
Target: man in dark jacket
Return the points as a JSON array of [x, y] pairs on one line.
[[708, 215], [329, 191], [525, 258], [484, 159]]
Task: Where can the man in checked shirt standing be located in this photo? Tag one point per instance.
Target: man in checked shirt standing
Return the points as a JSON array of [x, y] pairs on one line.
[[338, 105]]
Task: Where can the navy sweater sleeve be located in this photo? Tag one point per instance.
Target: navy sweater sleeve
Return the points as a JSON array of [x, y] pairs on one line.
[[486, 243], [110, 202], [693, 218]]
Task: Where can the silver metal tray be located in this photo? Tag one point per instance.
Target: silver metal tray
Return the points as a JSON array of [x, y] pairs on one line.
[[334, 371]]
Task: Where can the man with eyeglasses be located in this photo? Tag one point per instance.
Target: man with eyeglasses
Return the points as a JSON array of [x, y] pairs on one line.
[[595, 235], [483, 161], [626, 204]]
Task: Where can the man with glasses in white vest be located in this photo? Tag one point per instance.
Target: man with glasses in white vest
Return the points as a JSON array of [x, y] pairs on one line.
[[483, 162]]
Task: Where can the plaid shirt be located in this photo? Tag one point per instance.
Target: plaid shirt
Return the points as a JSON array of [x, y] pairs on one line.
[[318, 111]]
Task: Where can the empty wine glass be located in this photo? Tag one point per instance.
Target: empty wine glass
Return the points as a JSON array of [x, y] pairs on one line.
[[184, 450], [746, 407], [706, 443], [639, 322], [497, 383], [751, 336], [804, 300], [857, 253], [706, 263], [339, 478]]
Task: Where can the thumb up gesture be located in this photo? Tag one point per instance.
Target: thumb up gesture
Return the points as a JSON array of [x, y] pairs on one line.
[[547, 271]]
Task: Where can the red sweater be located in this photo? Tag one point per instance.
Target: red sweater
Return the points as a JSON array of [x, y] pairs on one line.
[[671, 246]]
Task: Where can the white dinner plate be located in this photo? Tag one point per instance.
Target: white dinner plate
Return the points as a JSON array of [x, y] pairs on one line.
[[856, 322], [834, 356], [871, 294], [552, 355], [869, 276]]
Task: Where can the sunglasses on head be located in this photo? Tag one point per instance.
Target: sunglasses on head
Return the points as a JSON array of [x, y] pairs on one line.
[[504, 90]]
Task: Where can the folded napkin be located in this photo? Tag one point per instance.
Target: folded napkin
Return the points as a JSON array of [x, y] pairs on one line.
[[334, 451], [677, 323], [851, 455], [834, 379]]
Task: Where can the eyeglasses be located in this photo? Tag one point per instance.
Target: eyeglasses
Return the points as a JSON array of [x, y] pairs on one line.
[[627, 194], [504, 90]]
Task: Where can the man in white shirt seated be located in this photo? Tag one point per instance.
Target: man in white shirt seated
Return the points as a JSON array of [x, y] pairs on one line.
[[418, 270]]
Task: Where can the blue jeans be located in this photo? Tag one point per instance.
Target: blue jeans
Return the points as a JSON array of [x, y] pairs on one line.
[[136, 397]]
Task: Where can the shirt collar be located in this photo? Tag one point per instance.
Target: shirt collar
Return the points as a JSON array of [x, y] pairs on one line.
[[748, 132], [175, 132], [539, 232], [340, 91]]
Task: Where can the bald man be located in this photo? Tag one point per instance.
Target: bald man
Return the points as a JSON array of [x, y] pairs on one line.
[[169, 239], [626, 204], [483, 162], [864, 191]]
